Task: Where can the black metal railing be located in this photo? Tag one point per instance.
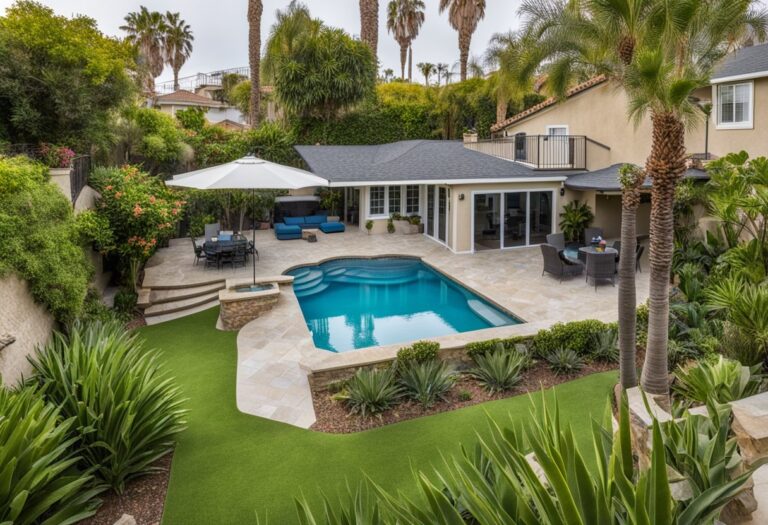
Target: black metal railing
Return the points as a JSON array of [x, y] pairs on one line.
[[540, 152], [78, 174], [193, 82]]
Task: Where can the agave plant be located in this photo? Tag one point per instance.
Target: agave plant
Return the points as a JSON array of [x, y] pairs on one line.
[[606, 346], [564, 361], [371, 391], [39, 480], [126, 410], [428, 381], [720, 380], [499, 371]]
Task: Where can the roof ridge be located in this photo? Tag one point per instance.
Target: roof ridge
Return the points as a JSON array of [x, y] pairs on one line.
[[599, 79]]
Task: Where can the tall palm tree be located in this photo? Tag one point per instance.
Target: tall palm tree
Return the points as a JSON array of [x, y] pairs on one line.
[[404, 21], [440, 70], [464, 15], [145, 30], [369, 23], [255, 9], [659, 52], [506, 55], [388, 74], [426, 69], [291, 24], [177, 44]]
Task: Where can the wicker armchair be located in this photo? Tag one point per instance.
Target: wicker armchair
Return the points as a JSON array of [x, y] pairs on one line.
[[591, 233], [557, 240], [556, 265], [601, 266]]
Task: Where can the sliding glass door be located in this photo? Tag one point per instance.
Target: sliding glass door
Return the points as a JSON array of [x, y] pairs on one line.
[[442, 214], [431, 211], [512, 218]]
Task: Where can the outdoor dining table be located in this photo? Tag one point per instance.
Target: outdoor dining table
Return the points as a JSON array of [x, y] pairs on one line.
[[225, 246], [584, 250]]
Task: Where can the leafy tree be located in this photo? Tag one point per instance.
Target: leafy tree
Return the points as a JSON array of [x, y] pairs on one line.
[[192, 118], [324, 73], [60, 78], [177, 44], [291, 24], [153, 138]]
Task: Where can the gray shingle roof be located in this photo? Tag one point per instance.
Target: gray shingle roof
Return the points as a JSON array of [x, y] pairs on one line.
[[746, 61], [607, 179], [417, 160]]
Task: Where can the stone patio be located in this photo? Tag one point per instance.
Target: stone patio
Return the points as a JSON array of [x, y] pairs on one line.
[[275, 351]]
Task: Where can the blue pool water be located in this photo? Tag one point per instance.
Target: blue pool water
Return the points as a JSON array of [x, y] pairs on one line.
[[356, 303]]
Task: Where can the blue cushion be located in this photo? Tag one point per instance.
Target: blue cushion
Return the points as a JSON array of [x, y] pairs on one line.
[[332, 227], [293, 220], [287, 228], [316, 219], [225, 237]]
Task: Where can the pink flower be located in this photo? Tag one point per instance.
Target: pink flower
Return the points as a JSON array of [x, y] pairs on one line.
[[137, 210], [152, 199]]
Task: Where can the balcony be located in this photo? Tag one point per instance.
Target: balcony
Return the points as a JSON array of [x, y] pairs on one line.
[[539, 152]]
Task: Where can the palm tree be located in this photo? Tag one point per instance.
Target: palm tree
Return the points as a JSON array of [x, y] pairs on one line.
[[464, 15], [177, 44], [255, 9], [404, 20], [658, 52], [447, 75], [145, 31], [440, 70], [388, 74], [506, 55], [426, 69], [291, 24], [369, 23]]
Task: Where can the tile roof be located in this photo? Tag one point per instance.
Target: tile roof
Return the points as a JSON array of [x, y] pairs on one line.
[[594, 81], [751, 60], [187, 97], [607, 179], [412, 160]]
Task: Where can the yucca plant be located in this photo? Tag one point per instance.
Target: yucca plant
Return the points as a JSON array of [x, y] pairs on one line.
[[499, 371], [39, 480], [428, 381], [127, 411], [605, 346], [357, 507], [371, 391], [564, 361], [719, 379]]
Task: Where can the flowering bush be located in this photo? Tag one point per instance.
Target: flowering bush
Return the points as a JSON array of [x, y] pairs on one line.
[[56, 156], [140, 209]]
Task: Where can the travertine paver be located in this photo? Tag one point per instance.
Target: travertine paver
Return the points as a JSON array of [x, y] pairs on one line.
[[270, 381]]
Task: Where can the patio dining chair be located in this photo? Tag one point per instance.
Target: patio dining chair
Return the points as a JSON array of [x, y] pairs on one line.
[[557, 265], [239, 255], [601, 266], [199, 253], [557, 240], [211, 230], [252, 251], [617, 246], [211, 256]]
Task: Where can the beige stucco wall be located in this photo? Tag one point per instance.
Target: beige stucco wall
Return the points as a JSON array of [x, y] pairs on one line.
[[24, 319], [754, 140]]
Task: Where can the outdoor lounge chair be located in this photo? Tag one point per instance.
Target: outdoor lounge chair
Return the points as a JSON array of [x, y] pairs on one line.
[[557, 265], [557, 240], [601, 266]]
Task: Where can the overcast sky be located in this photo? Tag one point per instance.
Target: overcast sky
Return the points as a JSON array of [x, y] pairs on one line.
[[221, 29]]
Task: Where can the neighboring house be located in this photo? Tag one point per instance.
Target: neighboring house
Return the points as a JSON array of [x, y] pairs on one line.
[[215, 111]]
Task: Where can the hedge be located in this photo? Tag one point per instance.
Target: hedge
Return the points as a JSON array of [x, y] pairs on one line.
[[576, 336]]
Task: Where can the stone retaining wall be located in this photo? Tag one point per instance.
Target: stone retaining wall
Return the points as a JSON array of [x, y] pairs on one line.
[[240, 308]]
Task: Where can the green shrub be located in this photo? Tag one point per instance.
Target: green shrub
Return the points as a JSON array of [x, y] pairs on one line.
[[476, 348], [641, 328], [371, 392], [465, 395], [739, 346], [720, 379], [94, 309], [605, 346], [127, 410], [564, 361], [418, 352], [125, 302], [428, 381], [40, 481], [499, 371], [40, 238], [576, 335], [680, 352]]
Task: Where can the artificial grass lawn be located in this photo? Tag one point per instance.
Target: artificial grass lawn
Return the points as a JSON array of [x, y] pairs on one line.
[[228, 465]]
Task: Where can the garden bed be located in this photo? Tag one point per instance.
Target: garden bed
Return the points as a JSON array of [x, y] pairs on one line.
[[333, 417], [144, 498]]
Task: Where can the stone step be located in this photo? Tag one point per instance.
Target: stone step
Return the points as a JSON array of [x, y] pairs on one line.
[[162, 318], [312, 291], [204, 282], [181, 305], [179, 294]]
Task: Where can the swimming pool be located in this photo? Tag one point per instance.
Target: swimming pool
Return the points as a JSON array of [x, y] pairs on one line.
[[350, 304]]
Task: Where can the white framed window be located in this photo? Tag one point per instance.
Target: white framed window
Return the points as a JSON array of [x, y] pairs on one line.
[[734, 105], [412, 199], [395, 200], [377, 200], [557, 130]]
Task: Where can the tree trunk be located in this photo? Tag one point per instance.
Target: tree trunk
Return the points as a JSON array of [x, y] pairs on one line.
[[403, 58], [255, 8], [664, 166], [630, 200], [175, 79], [410, 63], [465, 38], [501, 109], [369, 24]]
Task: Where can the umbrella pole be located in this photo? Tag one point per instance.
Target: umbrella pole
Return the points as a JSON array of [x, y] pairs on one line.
[[253, 231]]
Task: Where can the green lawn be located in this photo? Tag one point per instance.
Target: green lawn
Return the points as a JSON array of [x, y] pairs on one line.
[[230, 465]]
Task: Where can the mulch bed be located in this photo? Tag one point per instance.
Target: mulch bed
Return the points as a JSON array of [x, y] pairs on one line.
[[333, 417], [144, 499]]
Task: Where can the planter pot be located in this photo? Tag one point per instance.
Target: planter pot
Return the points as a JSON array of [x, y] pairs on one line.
[[405, 227], [420, 228], [262, 225], [334, 218]]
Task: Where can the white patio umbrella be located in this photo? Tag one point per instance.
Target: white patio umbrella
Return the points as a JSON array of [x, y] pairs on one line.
[[248, 173]]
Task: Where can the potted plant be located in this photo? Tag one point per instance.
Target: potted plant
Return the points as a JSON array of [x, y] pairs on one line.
[[575, 217], [390, 225], [330, 200], [369, 225], [415, 220]]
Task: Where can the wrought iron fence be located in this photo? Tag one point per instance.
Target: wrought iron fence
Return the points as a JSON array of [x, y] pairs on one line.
[[78, 175], [541, 152]]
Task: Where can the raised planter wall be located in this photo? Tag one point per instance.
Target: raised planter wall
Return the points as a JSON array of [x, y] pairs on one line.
[[240, 308]]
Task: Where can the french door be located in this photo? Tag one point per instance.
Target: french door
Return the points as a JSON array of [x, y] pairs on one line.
[[512, 218], [437, 213]]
